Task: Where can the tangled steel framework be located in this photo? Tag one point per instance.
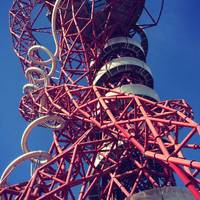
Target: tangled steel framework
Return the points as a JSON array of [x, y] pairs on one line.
[[112, 137]]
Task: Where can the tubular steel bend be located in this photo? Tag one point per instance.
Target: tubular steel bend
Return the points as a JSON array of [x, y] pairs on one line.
[[19, 160]]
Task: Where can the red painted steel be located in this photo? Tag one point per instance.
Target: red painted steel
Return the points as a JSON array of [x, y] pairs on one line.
[[108, 147]]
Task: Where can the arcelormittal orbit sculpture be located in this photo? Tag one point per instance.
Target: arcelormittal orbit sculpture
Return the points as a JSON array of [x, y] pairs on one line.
[[88, 82]]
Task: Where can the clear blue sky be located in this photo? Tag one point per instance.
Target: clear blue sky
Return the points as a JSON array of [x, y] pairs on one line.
[[174, 57]]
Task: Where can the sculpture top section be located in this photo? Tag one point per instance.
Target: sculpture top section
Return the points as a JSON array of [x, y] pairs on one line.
[[99, 17], [63, 39]]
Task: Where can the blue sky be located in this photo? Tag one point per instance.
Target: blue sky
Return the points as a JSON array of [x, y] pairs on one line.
[[174, 57]]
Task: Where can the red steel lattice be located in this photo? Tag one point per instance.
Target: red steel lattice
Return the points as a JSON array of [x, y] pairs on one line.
[[108, 143]]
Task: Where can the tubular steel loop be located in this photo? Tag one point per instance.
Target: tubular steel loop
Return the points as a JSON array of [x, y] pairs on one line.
[[31, 155], [39, 121], [19, 160], [29, 72], [52, 56], [29, 87]]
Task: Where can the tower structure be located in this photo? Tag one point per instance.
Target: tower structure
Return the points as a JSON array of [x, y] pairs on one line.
[[112, 136]]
